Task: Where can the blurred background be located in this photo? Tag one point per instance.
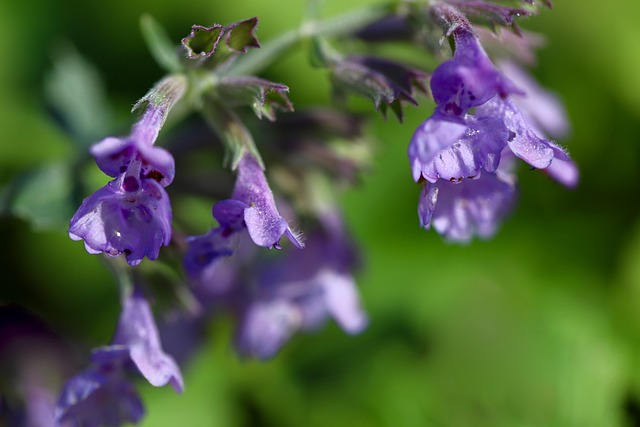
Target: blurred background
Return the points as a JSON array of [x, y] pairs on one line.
[[538, 327]]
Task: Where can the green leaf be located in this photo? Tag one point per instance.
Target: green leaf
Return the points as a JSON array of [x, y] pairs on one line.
[[43, 197], [202, 41], [160, 45], [76, 92], [217, 44], [240, 36]]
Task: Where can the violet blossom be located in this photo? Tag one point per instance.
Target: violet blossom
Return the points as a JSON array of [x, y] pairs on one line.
[[102, 395], [132, 213], [260, 215], [459, 152], [97, 397], [300, 291]]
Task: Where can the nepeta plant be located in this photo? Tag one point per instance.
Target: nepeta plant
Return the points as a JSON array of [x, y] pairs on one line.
[[284, 173]]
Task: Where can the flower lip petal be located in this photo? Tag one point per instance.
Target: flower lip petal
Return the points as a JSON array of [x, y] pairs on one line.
[[230, 213]]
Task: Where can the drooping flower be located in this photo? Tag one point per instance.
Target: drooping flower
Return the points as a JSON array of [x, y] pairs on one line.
[[260, 215], [464, 155], [456, 148], [137, 339], [132, 213]]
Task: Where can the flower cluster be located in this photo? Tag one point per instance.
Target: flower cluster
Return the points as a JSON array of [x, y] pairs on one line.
[[464, 151]]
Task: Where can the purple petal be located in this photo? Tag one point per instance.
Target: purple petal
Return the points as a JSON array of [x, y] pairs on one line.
[[93, 399], [114, 155], [473, 207], [263, 221], [230, 214], [542, 106], [205, 252], [449, 150], [266, 327], [138, 332], [469, 79], [562, 168], [433, 135], [523, 141], [342, 301], [114, 221]]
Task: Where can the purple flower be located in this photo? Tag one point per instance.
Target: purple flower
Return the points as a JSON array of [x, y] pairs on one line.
[[137, 338], [96, 398], [132, 214], [300, 291], [129, 215], [261, 217], [459, 211], [465, 156], [469, 79]]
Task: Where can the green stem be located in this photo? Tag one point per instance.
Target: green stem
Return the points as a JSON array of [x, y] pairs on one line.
[[258, 60]]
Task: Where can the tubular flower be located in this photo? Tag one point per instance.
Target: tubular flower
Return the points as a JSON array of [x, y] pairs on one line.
[[261, 217], [132, 213]]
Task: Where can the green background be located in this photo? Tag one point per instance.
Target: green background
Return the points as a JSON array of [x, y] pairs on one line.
[[538, 327]]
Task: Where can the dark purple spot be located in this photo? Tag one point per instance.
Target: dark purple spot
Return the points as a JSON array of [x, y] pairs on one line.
[[511, 136], [127, 251], [130, 184], [155, 175]]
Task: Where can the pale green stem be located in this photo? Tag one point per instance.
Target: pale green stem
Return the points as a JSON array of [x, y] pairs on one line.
[[257, 60]]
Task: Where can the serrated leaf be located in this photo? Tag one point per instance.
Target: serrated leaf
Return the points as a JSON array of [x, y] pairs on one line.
[[160, 45], [43, 197], [75, 90]]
